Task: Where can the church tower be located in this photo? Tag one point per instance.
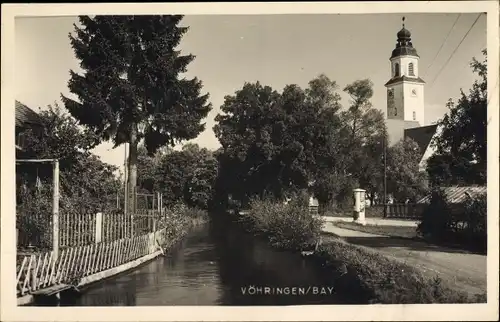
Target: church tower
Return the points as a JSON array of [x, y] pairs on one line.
[[405, 89]]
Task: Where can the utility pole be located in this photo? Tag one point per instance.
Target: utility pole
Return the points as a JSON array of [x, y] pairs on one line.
[[125, 181], [385, 172], [55, 208]]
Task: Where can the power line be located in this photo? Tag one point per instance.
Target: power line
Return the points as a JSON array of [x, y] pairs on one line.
[[458, 46], [442, 45]]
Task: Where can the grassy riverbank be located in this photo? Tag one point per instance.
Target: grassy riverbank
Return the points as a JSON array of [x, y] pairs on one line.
[[391, 231], [402, 232], [357, 272]]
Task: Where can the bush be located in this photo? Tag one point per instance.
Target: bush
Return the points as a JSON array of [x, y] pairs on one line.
[[287, 226], [463, 224], [34, 218]]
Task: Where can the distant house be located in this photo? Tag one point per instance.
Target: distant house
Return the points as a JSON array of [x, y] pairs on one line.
[[458, 195], [26, 119]]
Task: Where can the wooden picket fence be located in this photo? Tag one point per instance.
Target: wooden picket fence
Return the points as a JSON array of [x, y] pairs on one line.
[[80, 229], [43, 270], [405, 211]]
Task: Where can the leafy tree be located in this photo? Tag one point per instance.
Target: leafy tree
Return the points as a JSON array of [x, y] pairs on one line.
[[147, 167], [199, 191], [275, 143], [131, 90], [186, 176], [404, 180], [363, 139], [461, 146]]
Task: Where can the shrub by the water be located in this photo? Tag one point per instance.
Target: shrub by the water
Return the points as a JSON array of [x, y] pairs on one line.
[[379, 279], [180, 217], [288, 226]]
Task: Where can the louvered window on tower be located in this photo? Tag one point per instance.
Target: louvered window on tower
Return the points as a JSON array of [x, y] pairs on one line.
[[410, 70], [396, 69]]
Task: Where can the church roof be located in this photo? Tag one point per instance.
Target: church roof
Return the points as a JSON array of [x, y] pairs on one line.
[[404, 51], [405, 78], [421, 135], [404, 45]]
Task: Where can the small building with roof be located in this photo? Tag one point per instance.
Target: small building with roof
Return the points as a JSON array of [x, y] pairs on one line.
[[26, 119]]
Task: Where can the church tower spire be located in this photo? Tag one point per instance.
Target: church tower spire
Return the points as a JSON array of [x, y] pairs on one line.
[[405, 89]]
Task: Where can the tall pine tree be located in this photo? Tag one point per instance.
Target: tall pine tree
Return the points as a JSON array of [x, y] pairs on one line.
[[131, 89]]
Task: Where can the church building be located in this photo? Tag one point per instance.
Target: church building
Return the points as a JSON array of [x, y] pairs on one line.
[[405, 98]]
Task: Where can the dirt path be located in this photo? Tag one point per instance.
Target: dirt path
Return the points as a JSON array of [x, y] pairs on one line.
[[463, 270]]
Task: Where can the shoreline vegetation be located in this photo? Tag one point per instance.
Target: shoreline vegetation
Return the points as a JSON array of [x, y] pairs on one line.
[[360, 273]]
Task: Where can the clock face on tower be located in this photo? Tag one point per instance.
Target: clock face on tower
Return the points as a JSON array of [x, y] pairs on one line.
[[414, 92]]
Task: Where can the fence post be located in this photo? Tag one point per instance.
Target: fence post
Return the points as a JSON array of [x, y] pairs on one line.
[[55, 209], [33, 272], [98, 227]]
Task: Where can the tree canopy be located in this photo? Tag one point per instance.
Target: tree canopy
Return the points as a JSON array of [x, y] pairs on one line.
[[404, 180], [460, 156], [132, 88], [272, 141]]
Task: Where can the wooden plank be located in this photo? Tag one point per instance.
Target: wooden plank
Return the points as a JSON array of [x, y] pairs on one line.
[[96, 258], [124, 257], [107, 257], [93, 254], [134, 247], [111, 254], [97, 267], [34, 277], [129, 250], [28, 274], [86, 250], [67, 262], [85, 260], [68, 243], [89, 259], [73, 270], [52, 290], [21, 269], [54, 275], [123, 251], [118, 251], [144, 243], [47, 272], [115, 253], [67, 266]]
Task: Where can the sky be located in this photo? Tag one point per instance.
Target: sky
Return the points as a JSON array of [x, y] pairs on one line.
[[274, 49]]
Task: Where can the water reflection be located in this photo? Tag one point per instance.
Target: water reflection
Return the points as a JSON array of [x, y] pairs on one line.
[[210, 267]]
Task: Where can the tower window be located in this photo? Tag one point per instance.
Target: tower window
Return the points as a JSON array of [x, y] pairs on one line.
[[414, 116], [396, 69], [411, 72]]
